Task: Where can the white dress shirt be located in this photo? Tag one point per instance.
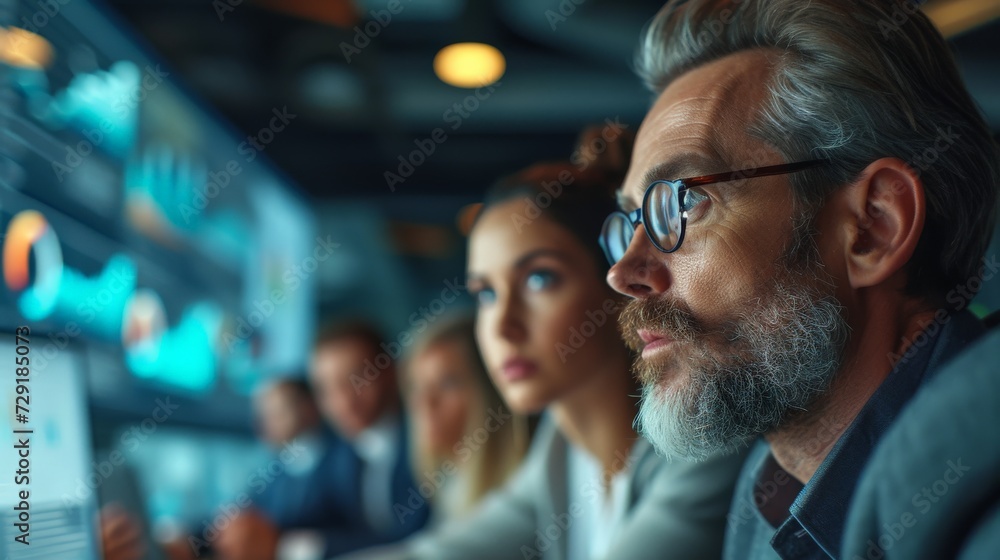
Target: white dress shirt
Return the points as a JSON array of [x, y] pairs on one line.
[[378, 447], [603, 506]]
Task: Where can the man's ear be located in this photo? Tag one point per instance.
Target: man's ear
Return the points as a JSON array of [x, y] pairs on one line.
[[887, 210]]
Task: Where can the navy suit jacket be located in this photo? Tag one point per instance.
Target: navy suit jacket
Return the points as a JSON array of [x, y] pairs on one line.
[[329, 500]]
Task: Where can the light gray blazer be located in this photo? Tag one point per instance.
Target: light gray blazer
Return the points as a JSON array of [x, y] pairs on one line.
[[676, 509]]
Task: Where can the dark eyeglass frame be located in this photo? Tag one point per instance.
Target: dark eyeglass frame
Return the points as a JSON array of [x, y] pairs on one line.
[[680, 187]]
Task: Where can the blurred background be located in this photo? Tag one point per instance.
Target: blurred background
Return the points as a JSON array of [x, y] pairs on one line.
[[189, 186]]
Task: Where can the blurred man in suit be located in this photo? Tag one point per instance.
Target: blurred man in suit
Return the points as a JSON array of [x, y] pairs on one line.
[[284, 509], [289, 421], [356, 388], [359, 492]]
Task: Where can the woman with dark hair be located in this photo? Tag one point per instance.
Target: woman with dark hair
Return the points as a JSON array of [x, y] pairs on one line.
[[546, 326]]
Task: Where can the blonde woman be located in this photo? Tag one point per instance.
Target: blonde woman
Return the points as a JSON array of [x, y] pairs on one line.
[[466, 442]]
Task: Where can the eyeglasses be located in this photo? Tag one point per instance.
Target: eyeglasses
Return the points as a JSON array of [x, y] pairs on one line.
[[664, 210]]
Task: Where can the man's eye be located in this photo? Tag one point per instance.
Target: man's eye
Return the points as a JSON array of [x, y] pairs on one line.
[[692, 199]]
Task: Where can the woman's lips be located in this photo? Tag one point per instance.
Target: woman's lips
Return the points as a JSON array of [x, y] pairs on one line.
[[516, 369], [653, 341]]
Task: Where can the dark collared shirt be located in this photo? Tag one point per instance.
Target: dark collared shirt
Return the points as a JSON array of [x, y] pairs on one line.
[[774, 516]]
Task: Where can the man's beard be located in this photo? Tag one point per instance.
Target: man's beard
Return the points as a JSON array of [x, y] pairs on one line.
[[716, 389]]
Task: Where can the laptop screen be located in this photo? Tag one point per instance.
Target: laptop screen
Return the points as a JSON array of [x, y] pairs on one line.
[[47, 506]]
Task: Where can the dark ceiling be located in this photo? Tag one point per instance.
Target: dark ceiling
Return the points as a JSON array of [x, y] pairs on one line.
[[356, 117]]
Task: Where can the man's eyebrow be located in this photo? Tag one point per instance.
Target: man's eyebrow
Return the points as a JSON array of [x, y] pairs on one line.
[[681, 166]]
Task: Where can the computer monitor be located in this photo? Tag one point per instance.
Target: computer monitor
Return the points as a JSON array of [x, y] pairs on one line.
[[61, 506]]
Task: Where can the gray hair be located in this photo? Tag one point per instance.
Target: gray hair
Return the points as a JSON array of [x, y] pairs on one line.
[[857, 80]]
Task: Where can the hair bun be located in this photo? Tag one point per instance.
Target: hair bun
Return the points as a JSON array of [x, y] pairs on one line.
[[606, 149]]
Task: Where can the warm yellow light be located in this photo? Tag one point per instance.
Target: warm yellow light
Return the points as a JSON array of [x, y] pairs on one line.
[[469, 65], [956, 16], [24, 49]]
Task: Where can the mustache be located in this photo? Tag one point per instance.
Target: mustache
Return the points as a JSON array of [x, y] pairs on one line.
[[669, 317]]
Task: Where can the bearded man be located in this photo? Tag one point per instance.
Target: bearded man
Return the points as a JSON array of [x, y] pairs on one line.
[[809, 198]]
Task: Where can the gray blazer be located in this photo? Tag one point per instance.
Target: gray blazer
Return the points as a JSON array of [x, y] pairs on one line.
[[931, 488], [676, 509]]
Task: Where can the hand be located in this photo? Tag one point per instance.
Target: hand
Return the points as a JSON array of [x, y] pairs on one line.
[[178, 549], [250, 536], [121, 534]]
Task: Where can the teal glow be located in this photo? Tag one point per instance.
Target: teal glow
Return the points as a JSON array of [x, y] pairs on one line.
[[179, 187], [243, 372], [103, 106], [186, 357], [95, 304], [225, 236], [41, 298], [169, 181]]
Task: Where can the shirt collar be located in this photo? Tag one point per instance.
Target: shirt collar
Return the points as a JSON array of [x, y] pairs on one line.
[[378, 442], [821, 507], [309, 450]]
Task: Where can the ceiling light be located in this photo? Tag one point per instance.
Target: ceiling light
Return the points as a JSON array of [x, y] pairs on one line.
[[469, 65]]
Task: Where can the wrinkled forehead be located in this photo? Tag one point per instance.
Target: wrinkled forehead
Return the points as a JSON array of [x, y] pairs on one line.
[[701, 120]]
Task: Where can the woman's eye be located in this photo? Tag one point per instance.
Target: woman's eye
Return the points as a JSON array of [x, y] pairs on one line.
[[693, 198], [484, 296], [540, 280]]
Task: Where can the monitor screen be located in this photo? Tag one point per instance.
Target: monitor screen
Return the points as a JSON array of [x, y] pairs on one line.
[[47, 507]]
